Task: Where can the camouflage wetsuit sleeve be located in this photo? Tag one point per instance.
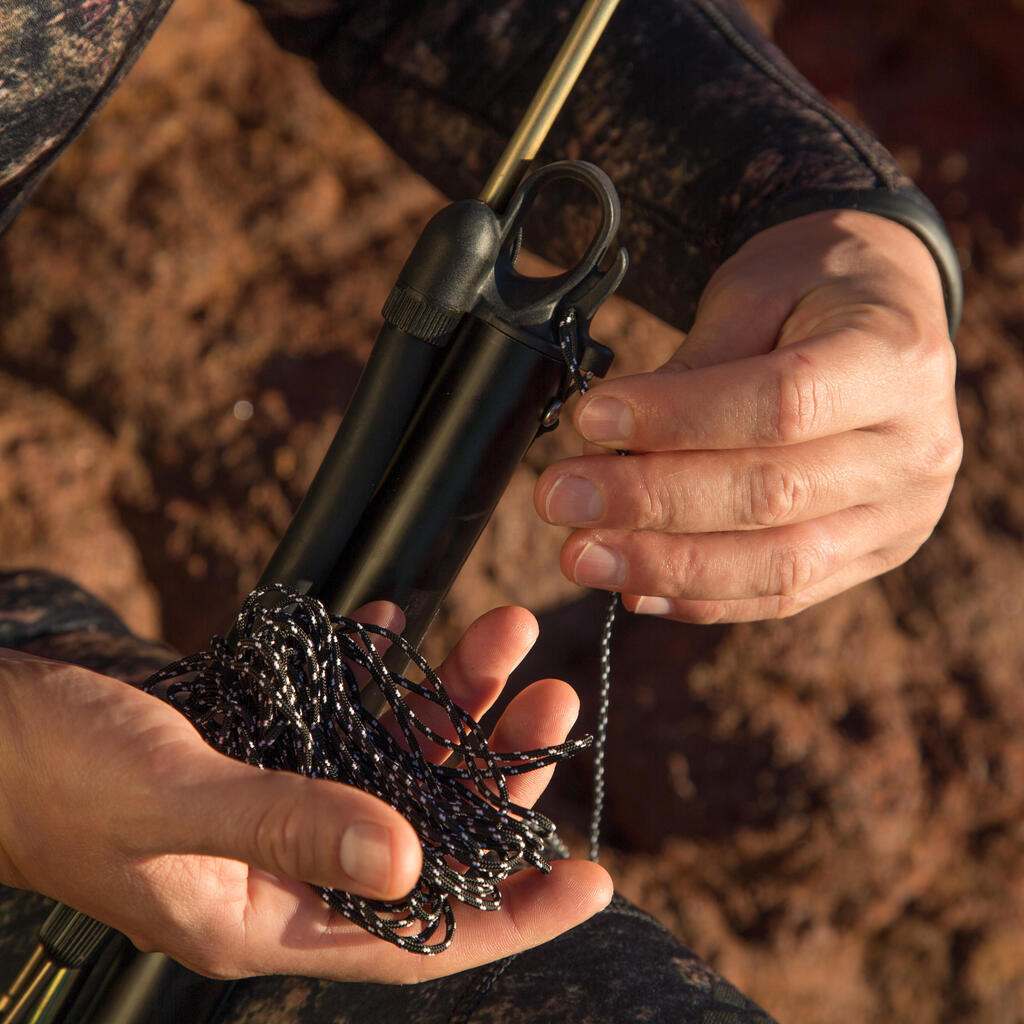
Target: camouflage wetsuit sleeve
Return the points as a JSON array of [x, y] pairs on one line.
[[707, 130], [59, 61]]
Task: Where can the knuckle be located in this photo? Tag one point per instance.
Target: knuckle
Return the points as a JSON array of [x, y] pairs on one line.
[[655, 502], [708, 613], [792, 569], [927, 361], [930, 364], [885, 559], [686, 570], [517, 924], [783, 606], [942, 455], [931, 361], [801, 397], [278, 835], [775, 493]]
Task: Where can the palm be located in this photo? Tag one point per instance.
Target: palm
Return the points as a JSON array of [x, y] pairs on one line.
[[204, 858]]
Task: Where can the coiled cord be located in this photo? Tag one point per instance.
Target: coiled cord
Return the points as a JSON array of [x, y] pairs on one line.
[[284, 693]]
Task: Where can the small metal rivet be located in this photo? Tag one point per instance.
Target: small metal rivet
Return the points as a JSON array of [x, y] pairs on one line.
[[550, 417]]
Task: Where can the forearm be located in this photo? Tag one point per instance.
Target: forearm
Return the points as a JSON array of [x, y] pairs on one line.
[[51, 617], [708, 131]]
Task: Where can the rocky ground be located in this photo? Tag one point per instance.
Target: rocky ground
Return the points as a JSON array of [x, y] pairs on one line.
[[835, 818]]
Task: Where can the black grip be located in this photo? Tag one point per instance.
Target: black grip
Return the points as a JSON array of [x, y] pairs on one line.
[[415, 314], [72, 938], [473, 428]]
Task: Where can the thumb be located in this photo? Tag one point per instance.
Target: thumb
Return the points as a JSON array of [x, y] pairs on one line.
[[753, 293], [735, 320], [311, 830], [833, 257]]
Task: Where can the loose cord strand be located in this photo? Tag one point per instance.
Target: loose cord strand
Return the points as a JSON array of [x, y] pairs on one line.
[[601, 734], [580, 381]]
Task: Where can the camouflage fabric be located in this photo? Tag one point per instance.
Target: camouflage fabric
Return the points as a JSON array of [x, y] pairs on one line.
[[708, 132], [59, 61], [619, 966], [706, 129]]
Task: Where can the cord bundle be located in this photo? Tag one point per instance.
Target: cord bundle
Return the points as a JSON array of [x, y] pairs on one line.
[[283, 693]]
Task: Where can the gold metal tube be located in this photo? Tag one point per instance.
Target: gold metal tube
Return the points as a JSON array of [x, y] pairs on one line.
[[548, 101], [29, 993], [53, 1000], [24, 975]]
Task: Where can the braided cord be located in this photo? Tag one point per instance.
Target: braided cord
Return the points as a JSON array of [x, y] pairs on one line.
[[284, 695], [601, 733], [580, 380]]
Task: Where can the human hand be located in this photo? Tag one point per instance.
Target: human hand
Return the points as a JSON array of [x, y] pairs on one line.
[[110, 802], [804, 438]]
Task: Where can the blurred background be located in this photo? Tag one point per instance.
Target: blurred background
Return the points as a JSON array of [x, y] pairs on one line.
[[829, 808]]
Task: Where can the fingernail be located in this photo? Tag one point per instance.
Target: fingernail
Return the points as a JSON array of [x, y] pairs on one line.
[[654, 606], [598, 566], [366, 855], [606, 419], [573, 500]]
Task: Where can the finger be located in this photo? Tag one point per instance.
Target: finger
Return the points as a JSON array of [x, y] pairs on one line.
[[783, 561], [308, 830], [381, 613], [776, 607], [378, 613], [705, 492], [535, 908], [836, 382], [539, 716], [477, 668]]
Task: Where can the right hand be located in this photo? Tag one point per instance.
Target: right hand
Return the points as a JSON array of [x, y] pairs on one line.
[[111, 803]]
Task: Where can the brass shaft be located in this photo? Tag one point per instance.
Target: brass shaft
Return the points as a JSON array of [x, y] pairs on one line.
[[28, 996], [548, 101], [52, 1003], [25, 975]]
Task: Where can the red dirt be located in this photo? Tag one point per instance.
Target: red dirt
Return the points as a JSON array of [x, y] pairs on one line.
[[835, 815]]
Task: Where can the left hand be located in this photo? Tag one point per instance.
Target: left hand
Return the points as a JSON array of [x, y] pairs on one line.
[[112, 803], [804, 438]]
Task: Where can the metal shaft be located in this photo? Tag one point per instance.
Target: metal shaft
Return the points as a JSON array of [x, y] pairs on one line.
[[35, 991], [548, 101], [22, 981]]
